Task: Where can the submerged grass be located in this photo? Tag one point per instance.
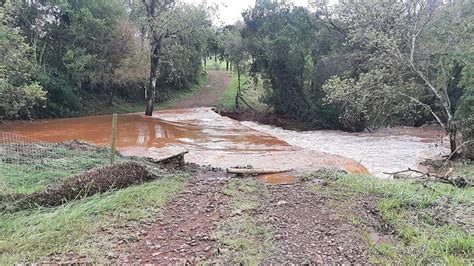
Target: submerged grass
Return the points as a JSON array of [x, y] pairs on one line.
[[432, 221]]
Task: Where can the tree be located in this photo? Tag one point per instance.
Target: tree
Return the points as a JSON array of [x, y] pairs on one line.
[[236, 51], [281, 38], [163, 20], [20, 93], [420, 42], [117, 46]]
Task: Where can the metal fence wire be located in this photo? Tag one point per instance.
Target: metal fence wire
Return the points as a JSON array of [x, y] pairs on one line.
[[23, 150]]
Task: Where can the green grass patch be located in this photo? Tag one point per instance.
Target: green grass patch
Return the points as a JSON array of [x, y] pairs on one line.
[[432, 221], [251, 92], [215, 65], [21, 175], [32, 235], [241, 238]]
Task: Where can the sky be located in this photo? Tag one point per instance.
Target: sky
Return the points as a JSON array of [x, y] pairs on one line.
[[230, 10]]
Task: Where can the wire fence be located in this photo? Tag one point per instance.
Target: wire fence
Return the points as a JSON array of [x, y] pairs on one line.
[[28, 165], [19, 149]]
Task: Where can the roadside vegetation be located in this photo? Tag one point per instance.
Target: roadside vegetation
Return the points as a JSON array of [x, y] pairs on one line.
[[71, 58], [83, 228], [251, 92], [423, 222]]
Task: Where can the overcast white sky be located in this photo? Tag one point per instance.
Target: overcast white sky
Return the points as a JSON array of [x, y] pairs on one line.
[[230, 10]]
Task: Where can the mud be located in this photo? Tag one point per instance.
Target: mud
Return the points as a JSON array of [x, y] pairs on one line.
[[184, 233], [277, 179]]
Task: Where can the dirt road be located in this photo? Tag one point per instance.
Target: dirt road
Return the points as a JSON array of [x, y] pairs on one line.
[[218, 82], [220, 220]]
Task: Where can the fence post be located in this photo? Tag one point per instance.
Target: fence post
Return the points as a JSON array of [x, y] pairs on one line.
[[114, 133]]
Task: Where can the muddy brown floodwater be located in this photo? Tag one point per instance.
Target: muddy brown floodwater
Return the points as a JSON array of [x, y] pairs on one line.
[[210, 139], [388, 150], [222, 142]]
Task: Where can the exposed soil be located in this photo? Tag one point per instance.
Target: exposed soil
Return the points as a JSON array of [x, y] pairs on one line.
[[183, 234], [218, 82], [307, 228]]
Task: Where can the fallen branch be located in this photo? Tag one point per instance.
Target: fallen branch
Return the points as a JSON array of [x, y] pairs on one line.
[[175, 158], [246, 171], [248, 105], [455, 181]]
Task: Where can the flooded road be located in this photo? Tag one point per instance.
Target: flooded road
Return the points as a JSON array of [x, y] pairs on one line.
[[388, 150], [210, 139], [222, 142]]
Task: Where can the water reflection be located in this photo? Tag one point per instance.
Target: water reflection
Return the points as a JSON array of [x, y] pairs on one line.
[[210, 139]]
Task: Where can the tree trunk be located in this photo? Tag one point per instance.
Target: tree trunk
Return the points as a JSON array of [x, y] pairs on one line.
[[452, 132], [112, 88], [226, 65], [152, 90], [237, 96]]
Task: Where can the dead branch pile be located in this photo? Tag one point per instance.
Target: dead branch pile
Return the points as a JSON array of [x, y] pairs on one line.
[[446, 178], [100, 180]]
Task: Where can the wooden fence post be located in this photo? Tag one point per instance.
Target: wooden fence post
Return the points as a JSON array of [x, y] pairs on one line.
[[114, 135]]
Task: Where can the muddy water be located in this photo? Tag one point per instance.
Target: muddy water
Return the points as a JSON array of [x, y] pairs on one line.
[[277, 179], [209, 138], [388, 150], [222, 142]]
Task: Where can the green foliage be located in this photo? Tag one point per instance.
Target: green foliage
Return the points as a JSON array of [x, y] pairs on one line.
[[375, 96], [429, 219], [281, 38], [20, 93], [413, 56]]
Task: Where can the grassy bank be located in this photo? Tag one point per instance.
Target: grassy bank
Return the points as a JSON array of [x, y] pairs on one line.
[[431, 222], [96, 105], [251, 92], [81, 230]]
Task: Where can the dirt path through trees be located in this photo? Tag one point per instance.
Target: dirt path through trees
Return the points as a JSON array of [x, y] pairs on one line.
[[218, 82]]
